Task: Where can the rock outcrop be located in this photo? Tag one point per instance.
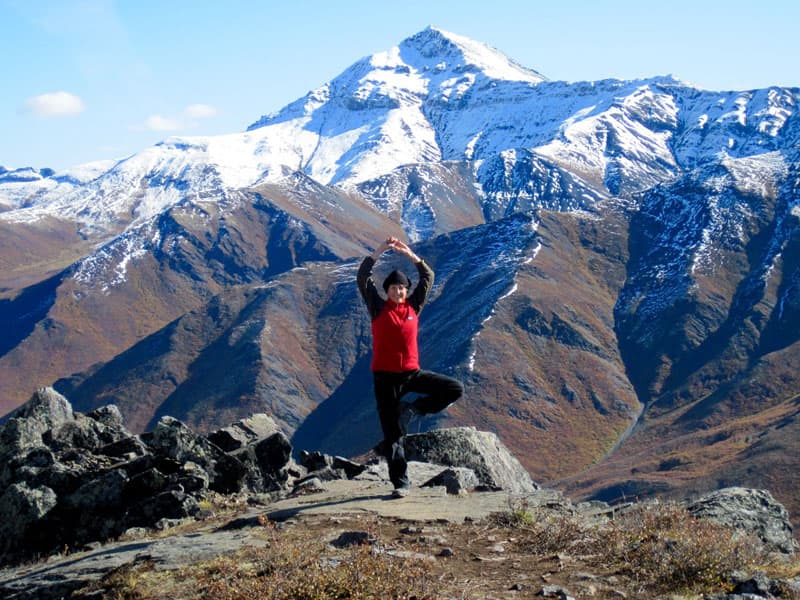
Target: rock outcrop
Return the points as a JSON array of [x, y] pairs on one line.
[[753, 512], [69, 479], [483, 452]]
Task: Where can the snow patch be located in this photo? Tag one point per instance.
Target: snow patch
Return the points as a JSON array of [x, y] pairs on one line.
[[108, 266], [533, 255], [504, 260], [759, 174]]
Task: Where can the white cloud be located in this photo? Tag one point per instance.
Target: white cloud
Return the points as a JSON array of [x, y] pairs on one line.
[[159, 123], [200, 111], [187, 120], [55, 104]]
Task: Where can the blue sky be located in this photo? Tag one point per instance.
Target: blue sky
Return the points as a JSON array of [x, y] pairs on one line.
[[86, 80]]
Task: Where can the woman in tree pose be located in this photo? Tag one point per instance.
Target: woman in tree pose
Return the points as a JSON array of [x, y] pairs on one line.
[[395, 356]]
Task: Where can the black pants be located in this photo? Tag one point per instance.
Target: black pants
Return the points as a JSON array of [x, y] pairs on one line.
[[439, 392]]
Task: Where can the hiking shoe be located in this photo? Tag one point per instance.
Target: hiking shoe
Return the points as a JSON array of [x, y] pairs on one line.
[[401, 492], [408, 414]]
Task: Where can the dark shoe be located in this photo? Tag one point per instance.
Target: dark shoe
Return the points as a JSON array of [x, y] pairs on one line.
[[401, 492]]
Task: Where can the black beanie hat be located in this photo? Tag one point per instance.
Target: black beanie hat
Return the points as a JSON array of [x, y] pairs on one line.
[[396, 277]]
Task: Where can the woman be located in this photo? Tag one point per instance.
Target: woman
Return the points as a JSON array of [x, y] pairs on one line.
[[395, 356]]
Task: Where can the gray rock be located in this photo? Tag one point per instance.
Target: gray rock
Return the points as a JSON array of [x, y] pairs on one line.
[[353, 538], [125, 447], [457, 480], [85, 433], [309, 485], [26, 466], [46, 406], [144, 484], [62, 575], [104, 492], [61, 478], [758, 584], [227, 475], [27, 425], [172, 504], [71, 479], [418, 472], [244, 432], [315, 461], [754, 512], [173, 439], [555, 591], [81, 432], [323, 474], [481, 451], [22, 507], [323, 463], [110, 416], [18, 436], [351, 469], [736, 596], [266, 463], [192, 478], [273, 453]]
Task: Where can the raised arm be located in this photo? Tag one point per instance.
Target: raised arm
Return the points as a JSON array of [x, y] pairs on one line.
[[369, 292], [368, 289]]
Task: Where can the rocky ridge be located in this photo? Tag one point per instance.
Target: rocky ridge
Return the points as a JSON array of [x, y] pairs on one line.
[[71, 479], [82, 481]]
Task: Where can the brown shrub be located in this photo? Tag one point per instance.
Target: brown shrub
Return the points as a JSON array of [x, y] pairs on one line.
[[664, 548]]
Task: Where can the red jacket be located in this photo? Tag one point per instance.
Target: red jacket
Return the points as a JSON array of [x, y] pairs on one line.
[[394, 326]]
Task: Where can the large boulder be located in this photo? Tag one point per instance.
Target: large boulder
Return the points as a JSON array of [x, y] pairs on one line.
[[481, 451], [25, 427], [173, 439], [339, 467], [47, 406], [244, 432], [69, 479], [457, 480], [267, 461], [22, 507], [754, 512]]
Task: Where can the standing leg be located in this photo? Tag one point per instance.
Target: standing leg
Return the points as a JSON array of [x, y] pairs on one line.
[[440, 391], [388, 389]]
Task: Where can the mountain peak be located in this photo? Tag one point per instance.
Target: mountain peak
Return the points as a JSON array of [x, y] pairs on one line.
[[458, 51]]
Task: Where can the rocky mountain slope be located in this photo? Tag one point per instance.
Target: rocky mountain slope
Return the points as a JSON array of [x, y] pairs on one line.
[[92, 509], [617, 274]]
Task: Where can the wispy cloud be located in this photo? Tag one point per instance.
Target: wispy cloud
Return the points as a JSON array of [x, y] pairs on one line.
[[186, 120], [200, 111], [159, 123], [55, 104]]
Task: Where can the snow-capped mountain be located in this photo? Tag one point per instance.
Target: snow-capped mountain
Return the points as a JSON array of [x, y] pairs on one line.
[[616, 265], [437, 97], [24, 187]]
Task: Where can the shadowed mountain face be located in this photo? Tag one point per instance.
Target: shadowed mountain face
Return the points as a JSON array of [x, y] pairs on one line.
[[709, 330], [152, 274], [617, 269]]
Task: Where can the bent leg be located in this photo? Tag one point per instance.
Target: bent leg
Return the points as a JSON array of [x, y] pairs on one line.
[[439, 391]]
